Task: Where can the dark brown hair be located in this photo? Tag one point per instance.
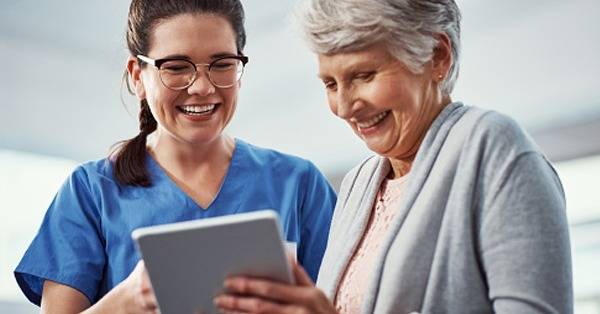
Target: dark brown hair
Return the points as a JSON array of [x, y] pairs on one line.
[[144, 15]]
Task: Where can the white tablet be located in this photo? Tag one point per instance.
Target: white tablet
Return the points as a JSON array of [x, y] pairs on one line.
[[188, 261]]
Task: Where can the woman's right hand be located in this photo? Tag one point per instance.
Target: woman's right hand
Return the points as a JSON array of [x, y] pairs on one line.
[[253, 295], [135, 292], [134, 295]]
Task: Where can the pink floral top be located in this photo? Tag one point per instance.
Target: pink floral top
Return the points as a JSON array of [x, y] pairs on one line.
[[349, 297]]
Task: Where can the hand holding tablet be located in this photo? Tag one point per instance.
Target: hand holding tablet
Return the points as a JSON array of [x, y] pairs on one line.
[[188, 261]]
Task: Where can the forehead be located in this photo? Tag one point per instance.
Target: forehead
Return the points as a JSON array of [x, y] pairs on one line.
[[194, 35], [339, 63]]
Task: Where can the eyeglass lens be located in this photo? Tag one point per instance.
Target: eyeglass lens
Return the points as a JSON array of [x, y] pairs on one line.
[[179, 74]]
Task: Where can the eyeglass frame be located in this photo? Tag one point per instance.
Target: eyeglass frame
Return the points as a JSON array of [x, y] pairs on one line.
[[158, 62]]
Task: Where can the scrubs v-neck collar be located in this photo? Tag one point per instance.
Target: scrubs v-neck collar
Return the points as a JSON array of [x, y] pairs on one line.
[[228, 194]]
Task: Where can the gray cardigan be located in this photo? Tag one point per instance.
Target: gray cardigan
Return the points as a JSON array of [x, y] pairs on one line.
[[482, 227]]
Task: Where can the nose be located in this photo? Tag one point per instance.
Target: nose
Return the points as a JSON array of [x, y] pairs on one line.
[[345, 103], [202, 85]]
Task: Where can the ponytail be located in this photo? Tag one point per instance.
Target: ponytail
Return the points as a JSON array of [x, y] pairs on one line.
[[130, 161]]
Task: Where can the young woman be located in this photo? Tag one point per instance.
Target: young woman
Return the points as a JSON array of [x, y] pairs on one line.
[[185, 68]]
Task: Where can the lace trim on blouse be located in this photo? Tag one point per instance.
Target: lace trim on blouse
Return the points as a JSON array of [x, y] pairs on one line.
[[349, 297]]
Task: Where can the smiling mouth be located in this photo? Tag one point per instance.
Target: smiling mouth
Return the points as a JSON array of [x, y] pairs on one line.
[[198, 110], [372, 121]]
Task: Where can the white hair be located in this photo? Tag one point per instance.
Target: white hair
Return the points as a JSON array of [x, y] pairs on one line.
[[409, 28]]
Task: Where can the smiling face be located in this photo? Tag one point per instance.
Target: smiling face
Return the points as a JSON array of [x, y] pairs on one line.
[[388, 107], [199, 113]]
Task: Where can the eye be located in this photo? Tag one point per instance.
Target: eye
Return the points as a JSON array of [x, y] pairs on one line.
[[330, 85], [223, 65], [365, 76], [176, 67]]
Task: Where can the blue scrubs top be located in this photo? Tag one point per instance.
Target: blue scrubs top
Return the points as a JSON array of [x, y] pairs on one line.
[[85, 238]]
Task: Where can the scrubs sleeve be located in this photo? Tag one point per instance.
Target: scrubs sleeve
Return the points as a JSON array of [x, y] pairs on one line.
[[68, 247], [316, 211]]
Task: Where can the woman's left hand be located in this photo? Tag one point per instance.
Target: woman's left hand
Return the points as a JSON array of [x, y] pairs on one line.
[[252, 295]]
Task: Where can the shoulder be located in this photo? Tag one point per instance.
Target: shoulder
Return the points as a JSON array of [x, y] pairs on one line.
[[363, 171], [500, 131], [89, 176], [95, 170], [273, 160], [494, 122], [80, 196], [502, 147], [287, 172], [488, 135], [360, 175]]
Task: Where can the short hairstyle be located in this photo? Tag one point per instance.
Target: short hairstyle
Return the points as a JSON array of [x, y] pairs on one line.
[[409, 28]]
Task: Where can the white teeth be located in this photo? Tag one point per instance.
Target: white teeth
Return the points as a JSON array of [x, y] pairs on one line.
[[374, 120], [198, 109]]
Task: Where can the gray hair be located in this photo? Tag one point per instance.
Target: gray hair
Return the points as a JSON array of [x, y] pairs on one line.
[[409, 28]]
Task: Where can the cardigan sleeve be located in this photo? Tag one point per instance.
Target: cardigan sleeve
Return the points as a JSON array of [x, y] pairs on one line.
[[524, 240]]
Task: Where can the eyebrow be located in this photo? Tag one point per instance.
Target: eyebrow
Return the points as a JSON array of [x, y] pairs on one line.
[[213, 56], [352, 68]]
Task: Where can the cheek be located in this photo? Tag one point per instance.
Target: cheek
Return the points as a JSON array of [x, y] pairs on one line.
[[151, 89], [163, 100], [166, 98], [229, 96], [384, 94], [332, 103]]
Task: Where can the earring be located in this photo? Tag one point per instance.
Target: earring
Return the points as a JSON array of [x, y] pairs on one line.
[[440, 77]]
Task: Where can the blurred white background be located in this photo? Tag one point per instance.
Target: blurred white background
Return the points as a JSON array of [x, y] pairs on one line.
[[60, 90]]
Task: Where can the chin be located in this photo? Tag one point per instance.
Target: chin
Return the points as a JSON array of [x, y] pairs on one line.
[[201, 139], [377, 149], [382, 149]]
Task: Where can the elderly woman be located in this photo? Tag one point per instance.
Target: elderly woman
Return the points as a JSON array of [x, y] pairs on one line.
[[458, 212]]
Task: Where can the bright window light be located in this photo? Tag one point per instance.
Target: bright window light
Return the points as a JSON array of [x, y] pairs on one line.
[[580, 180], [28, 184]]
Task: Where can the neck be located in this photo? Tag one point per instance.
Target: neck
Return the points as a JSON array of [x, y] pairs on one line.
[[400, 167], [402, 164], [183, 160]]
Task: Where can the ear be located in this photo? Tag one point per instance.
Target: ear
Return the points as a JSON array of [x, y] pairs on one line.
[[134, 71], [442, 57]]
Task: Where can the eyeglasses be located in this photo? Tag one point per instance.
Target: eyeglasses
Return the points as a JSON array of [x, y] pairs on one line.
[[178, 74]]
